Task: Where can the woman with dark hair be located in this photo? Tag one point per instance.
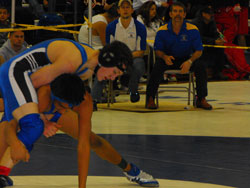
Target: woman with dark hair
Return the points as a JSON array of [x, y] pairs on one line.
[[147, 15]]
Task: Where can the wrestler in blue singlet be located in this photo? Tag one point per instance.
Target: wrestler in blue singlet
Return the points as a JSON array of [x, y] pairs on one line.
[[17, 89], [15, 83]]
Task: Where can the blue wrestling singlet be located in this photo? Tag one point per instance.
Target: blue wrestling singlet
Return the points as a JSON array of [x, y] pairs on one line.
[[15, 83]]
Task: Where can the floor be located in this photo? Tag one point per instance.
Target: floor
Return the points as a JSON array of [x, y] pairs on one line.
[[182, 149]]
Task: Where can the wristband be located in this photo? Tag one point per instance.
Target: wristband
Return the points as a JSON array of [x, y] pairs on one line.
[[190, 61]]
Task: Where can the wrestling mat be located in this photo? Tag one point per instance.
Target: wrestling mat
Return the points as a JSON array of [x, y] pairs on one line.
[[140, 107]]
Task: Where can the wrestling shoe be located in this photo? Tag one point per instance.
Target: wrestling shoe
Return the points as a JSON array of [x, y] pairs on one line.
[[142, 178], [5, 181]]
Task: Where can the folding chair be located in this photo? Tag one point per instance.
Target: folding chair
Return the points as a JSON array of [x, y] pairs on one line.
[[110, 93], [190, 89]]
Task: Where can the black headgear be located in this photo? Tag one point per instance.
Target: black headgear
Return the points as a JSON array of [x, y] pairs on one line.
[[116, 54]]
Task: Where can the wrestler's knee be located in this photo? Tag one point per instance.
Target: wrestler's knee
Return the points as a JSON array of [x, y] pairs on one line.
[[31, 128]]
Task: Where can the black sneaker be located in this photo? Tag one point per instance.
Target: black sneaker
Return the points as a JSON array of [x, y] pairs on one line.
[[5, 181], [134, 97]]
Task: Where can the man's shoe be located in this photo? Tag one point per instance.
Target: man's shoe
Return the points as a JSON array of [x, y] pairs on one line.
[[142, 178], [203, 104], [5, 181], [151, 103], [134, 97]]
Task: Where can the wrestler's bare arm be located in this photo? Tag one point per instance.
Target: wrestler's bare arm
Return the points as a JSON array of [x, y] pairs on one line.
[[17, 149], [65, 58], [82, 126], [84, 139], [44, 98]]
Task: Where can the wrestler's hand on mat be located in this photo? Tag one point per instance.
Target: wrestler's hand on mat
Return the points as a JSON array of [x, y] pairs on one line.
[[18, 152], [50, 128]]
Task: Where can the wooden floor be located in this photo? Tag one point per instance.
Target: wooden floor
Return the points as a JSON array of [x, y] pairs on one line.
[[181, 148]]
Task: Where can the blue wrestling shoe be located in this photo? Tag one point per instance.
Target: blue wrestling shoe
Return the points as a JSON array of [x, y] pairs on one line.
[[140, 177], [5, 181]]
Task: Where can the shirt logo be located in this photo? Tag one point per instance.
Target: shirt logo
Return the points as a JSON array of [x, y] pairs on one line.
[[184, 38], [131, 35]]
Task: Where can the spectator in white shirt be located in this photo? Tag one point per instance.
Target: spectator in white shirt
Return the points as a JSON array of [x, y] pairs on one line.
[[99, 24]]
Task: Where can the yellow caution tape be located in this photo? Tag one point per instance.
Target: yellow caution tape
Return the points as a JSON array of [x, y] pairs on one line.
[[34, 27], [56, 26], [87, 21], [215, 46], [218, 46], [50, 28]]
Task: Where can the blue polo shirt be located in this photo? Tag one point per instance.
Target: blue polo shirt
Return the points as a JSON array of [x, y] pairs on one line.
[[182, 45]]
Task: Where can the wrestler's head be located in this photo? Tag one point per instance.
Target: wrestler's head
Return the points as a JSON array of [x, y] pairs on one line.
[[68, 88], [114, 60]]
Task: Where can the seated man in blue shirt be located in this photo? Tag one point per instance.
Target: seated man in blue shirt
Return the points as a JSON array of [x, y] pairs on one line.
[[178, 45], [133, 33]]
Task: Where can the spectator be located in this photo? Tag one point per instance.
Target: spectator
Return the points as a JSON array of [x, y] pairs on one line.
[[194, 7], [4, 23], [13, 46], [97, 7], [210, 35], [160, 3], [148, 16], [99, 24], [225, 17], [133, 33], [109, 4], [178, 45], [243, 22]]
